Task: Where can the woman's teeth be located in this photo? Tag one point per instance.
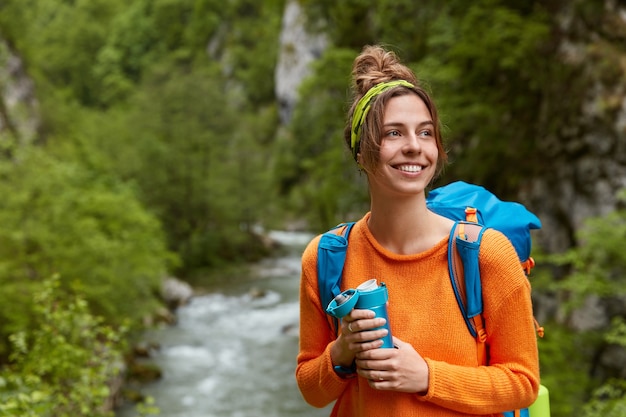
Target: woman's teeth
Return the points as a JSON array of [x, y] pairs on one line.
[[410, 168]]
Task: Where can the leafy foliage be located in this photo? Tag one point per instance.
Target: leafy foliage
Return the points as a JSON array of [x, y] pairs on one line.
[[610, 398], [63, 367], [174, 96], [250, 51], [598, 267], [60, 41], [565, 367], [58, 218], [488, 90], [598, 264], [199, 165], [145, 32], [608, 401]]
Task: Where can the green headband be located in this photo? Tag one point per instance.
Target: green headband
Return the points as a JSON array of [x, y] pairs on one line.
[[363, 107]]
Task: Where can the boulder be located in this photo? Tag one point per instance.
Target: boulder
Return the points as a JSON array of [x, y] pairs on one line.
[[176, 293]]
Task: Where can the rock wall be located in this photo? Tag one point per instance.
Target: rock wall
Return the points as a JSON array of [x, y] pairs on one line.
[[19, 108], [298, 49], [586, 161], [585, 164]]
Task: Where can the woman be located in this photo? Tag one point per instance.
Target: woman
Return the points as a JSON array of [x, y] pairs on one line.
[[393, 131]]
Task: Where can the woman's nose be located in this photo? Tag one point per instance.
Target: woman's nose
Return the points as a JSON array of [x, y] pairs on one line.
[[411, 144]]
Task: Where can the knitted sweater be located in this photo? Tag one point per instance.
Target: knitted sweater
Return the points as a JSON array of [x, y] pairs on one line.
[[423, 311]]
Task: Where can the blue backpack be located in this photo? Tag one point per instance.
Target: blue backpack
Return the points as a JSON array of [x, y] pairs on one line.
[[473, 209]]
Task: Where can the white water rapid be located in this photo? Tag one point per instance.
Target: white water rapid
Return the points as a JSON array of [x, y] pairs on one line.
[[232, 353]]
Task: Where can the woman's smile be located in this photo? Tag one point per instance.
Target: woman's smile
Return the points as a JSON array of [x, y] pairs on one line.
[[410, 168]]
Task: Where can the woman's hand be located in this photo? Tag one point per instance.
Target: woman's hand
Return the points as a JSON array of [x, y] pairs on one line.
[[401, 369], [357, 336]]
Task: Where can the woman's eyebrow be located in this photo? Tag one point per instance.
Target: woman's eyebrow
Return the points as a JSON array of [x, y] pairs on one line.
[[395, 124]]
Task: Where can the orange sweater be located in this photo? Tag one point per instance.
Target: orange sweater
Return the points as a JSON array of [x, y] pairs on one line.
[[423, 312]]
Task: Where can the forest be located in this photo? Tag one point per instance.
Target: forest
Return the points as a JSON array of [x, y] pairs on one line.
[[144, 139]]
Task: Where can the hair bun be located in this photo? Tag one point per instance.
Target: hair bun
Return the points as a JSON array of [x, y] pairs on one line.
[[376, 65]]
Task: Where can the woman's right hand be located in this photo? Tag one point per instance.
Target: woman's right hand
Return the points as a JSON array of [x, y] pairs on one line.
[[357, 336]]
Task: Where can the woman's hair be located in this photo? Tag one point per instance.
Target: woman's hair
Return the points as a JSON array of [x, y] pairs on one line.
[[373, 66]]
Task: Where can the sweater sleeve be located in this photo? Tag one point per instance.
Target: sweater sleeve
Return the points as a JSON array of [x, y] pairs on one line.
[[318, 382], [511, 379]]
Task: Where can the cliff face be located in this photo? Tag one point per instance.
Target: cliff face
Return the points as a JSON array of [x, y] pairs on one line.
[[586, 160], [19, 116], [298, 49]]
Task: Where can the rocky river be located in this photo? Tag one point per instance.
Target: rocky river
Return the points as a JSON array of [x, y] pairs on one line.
[[232, 352]]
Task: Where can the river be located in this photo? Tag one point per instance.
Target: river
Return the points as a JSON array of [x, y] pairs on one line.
[[232, 353]]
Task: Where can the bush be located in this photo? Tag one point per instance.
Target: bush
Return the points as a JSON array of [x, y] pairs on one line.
[[597, 267], [58, 217], [64, 367]]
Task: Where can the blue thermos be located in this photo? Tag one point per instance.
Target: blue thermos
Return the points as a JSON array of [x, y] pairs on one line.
[[367, 296]]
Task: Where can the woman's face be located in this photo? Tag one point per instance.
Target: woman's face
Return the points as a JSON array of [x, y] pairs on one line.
[[408, 150]]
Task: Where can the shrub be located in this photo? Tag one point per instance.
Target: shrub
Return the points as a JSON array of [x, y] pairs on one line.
[[64, 367]]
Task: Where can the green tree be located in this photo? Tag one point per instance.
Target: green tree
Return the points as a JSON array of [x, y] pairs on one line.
[[197, 162], [490, 65], [58, 217], [609, 400], [108, 100], [60, 40], [148, 31], [251, 48]]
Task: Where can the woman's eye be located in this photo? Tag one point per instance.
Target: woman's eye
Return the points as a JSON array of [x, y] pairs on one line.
[[393, 133], [426, 133]]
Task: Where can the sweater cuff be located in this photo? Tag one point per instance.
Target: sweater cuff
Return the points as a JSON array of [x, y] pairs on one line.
[[428, 395], [330, 380]]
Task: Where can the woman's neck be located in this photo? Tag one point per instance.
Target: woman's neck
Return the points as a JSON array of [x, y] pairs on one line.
[[406, 226]]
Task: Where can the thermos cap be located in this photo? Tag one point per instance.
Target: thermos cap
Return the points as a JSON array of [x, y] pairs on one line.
[[342, 304], [367, 295]]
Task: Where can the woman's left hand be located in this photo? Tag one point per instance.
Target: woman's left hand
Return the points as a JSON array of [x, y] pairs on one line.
[[400, 369]]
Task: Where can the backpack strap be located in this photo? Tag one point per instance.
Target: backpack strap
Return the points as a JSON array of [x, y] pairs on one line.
[[471, 215], [463, 251], [464, 271], [331, 256], [463, 248]]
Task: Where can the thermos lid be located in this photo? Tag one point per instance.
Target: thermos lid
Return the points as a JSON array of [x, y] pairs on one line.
[[342, 304], [367, 295]]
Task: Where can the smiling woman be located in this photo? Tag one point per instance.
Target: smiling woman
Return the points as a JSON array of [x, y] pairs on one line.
[[394, 135]]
